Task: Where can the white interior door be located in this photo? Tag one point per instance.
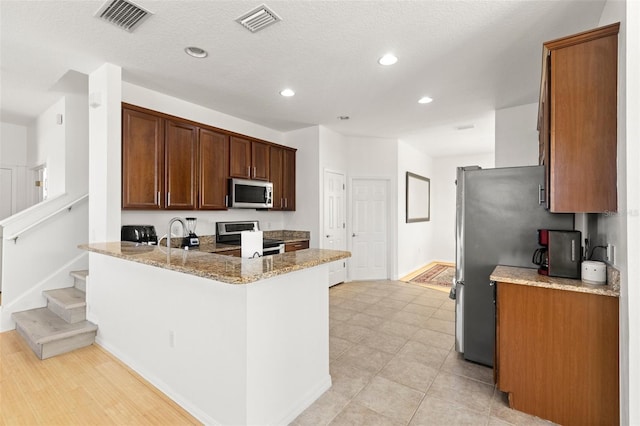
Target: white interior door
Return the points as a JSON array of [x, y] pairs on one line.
[[6, 192], [369, 229], [334, 229]]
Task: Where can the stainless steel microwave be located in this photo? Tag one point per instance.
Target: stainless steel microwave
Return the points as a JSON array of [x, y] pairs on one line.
[[250, 194]]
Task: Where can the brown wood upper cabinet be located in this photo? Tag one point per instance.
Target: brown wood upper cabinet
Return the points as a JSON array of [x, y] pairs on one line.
[[181, 141], [173, 163], [213, 170], [283, 175], [249, 159], [142, 160], [577, 121]]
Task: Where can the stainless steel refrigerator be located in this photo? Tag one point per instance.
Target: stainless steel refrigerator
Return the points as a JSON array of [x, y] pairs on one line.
[[498, 213]]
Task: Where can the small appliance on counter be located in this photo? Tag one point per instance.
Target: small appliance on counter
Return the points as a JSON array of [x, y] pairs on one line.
[[560, 254], [594, 272], [142, 234], [191, 240]]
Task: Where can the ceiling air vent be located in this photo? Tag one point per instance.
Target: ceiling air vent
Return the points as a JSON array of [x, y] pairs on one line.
[[123, 14], [258, 18]]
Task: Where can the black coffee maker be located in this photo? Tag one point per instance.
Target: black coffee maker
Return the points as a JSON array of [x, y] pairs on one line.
[[560, 254]]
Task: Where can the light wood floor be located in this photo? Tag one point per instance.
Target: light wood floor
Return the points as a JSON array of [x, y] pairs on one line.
[[85, 387]]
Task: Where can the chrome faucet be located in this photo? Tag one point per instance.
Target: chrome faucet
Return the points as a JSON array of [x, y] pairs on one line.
[[184, 232]]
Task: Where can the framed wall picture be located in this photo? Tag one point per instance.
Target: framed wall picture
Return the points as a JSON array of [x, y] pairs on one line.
[[418, 198]]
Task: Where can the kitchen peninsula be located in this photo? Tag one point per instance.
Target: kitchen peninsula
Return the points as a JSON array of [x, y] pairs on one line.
[[233, 341]]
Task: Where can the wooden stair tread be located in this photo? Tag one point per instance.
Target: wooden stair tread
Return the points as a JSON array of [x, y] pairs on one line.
[[81, 275], [44, 326], [69, 297]]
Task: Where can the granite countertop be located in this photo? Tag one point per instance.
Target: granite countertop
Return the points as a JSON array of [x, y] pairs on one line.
[[529, 276], [227, 269], [208, 242]]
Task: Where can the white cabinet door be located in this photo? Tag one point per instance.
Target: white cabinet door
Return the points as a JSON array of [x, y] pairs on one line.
[[334, 223]]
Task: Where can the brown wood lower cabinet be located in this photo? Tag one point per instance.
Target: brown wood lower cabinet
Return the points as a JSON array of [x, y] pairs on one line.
[[557, 353], [299, 245]]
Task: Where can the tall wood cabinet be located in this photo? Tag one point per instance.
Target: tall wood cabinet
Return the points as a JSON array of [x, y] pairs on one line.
[[213, 157], [142, 160], [283, 175], [180, 149], [577, 121]]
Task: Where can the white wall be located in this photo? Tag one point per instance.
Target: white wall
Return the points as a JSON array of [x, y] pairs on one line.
[[13, 144], [444, 204], [105, 154], [76, 153], [13, 156], [376, 158], [630, 329], [157, 101], [308, 183], [51, 146], [622, 229], [416, 239], [517, 136]]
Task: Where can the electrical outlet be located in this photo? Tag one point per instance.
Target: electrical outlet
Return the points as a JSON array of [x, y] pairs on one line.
[[611, 254]]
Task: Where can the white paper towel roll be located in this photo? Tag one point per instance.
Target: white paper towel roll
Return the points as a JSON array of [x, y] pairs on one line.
[[594, 272], [251, 244]]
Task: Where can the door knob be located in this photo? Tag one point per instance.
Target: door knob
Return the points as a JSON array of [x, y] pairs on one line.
[[353, 235]]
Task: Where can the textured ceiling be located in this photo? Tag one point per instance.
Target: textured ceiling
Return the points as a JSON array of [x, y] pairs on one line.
[[470, 56]]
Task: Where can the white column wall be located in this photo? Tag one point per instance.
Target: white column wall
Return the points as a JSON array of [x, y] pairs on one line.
[[618, 228], [632, 369], [105, 154]]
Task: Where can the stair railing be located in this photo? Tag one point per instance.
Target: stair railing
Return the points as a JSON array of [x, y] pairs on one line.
[[67, 207]]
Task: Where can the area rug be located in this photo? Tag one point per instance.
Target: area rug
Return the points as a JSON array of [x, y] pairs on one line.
[[439, 277]]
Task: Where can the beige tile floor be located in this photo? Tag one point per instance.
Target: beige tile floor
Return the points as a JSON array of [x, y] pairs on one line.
[[392, 362]]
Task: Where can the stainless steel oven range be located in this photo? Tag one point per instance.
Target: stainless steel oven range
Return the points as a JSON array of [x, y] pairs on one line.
[[229, 233]]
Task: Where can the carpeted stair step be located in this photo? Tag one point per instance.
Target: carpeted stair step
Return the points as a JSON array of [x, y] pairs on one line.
[[80, 279], [68, 303], [49, 335]]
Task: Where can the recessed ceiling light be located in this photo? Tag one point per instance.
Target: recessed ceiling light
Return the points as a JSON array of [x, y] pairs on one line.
[[425, 100], [287, 93], [388, 59], [196, 52]]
